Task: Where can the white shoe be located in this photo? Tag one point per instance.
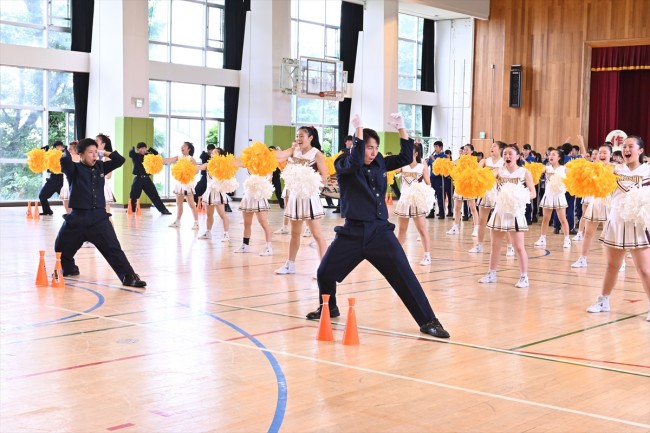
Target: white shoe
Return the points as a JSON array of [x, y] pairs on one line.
[[287, 268], [176, 224], [622, 268], [418, 239], [267, 251], [601, 305], [454, 230], [648, 318], [475, 232], [225, 238], [195, 226], [578, 237], [478, 248], [284, 230], [581, 263], [541, 242], [523, 282], [206, 235], [510, 251], [306, 233], [567, 242], [243, 248], [426, 261], [490, 277]]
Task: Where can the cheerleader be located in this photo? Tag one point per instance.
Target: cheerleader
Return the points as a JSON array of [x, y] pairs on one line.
[[554, 201], [619, 235], [213, 199], [104, 144], [502, 223], [458, 203], [306, 151], [250, 206], [486, 203], [415, 172], [184, 191]]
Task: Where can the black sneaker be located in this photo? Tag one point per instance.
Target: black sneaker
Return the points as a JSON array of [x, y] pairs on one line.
[[165, 212], [74, 272], [46, 213], [133, 280], [573, 232], [315, 315], [435, 329]]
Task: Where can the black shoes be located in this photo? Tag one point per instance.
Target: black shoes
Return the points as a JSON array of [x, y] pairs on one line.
[[556, 231], [450, 215], [337, 210], [74, 272], [315, 315], [46, 213], [133, 280], [435, 329], [441, 216], [227, 207], [573, 232], [165, 212], [465, 218]]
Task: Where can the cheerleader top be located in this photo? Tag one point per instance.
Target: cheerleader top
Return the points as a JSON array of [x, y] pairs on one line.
[[491, 164], [627, 179], [550, 171], [411, 175], [308, 159], [517, 177]]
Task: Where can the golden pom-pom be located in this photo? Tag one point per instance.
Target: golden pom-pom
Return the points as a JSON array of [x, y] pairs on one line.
[[222, 167], [36, 160], [442, 166], [329, 161], [590, 179], [536, 170], [473, 183], [465, 162], [53, 160], [390, 177], [259, 159], [184, 170], [153, 164]]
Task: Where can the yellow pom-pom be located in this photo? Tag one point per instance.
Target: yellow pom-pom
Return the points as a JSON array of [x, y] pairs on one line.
[[259, 159], [331, 170], [222, 167], [36, 160], [184, 170], [442, 166], [536, 170], [589, 179], [473, 183], [390, 177], [53, 160], [153, 164]]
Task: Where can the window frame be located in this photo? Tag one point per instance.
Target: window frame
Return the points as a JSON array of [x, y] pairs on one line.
[[45, 26]]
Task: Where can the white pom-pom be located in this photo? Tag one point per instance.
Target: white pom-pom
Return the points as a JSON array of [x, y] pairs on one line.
[[258, 187], [419, 195], [555, 185], [491, 196], [302, 180], [635, 206], [512, 199], [229, 185]]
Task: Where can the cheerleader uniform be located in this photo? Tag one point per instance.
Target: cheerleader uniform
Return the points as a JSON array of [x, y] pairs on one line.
[[597, 209], [489, 199], [65, 189], [506, 222], [185, 188], [299, 209], [551, 200], [213, 196], [410, 176], [618, 233], [108, 193], [249, 204]]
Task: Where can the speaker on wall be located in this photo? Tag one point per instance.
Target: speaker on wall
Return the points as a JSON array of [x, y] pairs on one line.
[[515, 86]]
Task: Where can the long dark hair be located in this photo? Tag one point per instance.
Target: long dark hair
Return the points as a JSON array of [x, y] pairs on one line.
[[640, 143], [108, 146], [313, 133], [190, 148], [417, 148]]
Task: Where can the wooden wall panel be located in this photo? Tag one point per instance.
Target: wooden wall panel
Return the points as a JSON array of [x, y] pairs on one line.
[[551, 39]]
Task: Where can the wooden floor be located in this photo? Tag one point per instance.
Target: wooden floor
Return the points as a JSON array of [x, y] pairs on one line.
[[218, 343]]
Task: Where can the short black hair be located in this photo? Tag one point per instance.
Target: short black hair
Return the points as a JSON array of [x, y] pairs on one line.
[[84, 144], [527, 147], [471, 146], [574, 147], [438, 143], [140, 145], [370, 133], [57, 143], [349, 138], [211, 147]]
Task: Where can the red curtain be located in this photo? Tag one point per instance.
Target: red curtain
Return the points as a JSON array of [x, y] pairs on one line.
[[603, 106], [620, 58], [633, 115]]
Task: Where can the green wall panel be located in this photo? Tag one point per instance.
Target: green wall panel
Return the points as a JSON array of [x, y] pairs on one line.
[[128, 132], [277, 135]]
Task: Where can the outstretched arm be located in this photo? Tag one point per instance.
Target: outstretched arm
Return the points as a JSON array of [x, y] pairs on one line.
[[351, 162]]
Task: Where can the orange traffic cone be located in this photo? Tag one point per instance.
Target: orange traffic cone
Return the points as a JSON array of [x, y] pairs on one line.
[[36, 214], [41, 274], [351, 334], [57, 276], [325, 325], [138, 211], [28, 214]]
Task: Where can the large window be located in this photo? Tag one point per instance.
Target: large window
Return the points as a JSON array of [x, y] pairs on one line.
[[189, 32], [184, 112], [315, 28], [409, 49], [36, 23], [36, 108], [412, 118]]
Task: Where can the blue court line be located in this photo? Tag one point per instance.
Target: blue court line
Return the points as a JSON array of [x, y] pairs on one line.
[[99, 303], [546, 253]]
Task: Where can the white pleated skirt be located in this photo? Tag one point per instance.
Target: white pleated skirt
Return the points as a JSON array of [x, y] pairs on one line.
[[65, 190], [597, 210], [184, 188], [250, 205], [506, 222], [108, 193], [404, 210], [460, 197], [553, 201], [488, 201], [624, 235], [303, 209], [214, 197]]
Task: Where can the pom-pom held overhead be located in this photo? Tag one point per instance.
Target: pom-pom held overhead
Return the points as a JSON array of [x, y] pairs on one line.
[[302, 180], [153, 164], [635, 207], [184, 170], [536, 170], [590, 179], [473, 182], [53, 160], [512, 199], [259, 159], [36, 160], [257, 187], [442, 167], [222, 167], [420, 196]]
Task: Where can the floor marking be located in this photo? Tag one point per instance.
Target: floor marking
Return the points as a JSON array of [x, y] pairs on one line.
[[120, 426], [587, 359]]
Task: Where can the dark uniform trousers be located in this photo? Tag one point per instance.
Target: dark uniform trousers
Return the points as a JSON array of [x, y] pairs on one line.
[[142, 182], [571, 200], [200, 188], [91, 225], [52, 185], [436, 184], [373, 241]]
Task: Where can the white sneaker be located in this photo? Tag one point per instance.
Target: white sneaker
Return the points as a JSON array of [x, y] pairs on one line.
[[306, 233], [578, 237], [601, 305], [284, 230], [541, 242], [567, 242], [225, 238], [176, 224], [523, 282], [206, 235], [622, 268], [287, 268], [243, 248], [195, 226], [581, 263], [490, 277], [454, 230], [478, 248], [648, 318], [475, 232], [426, 261], [510, 251], [267, 251], [418, 239]]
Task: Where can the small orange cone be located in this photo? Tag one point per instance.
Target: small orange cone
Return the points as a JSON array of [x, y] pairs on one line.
[[36, 215], [351, 334], [325, 325], [57, 276], [28, 214], [41, 274], [138, 211]]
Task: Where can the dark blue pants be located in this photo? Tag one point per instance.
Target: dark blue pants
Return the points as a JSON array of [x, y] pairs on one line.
[[92, 226], [569, 213], [436, 184], [144, 183], [200, 188], [52, 185], [448, 192], [373, 241]]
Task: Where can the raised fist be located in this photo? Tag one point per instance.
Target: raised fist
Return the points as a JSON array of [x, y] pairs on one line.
[[356, 121], [396, 121]]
